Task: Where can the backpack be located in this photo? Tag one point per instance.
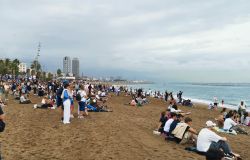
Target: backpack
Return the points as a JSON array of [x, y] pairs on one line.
[[78, 97], [2, 126]]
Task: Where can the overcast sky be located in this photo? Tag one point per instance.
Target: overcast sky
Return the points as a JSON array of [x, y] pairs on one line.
[[161, 40]]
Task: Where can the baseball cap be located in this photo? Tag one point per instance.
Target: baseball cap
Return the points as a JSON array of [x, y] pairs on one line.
[[210, 124]]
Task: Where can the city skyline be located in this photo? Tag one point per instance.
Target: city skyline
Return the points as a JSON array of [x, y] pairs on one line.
[[176, 41], [75, 67], [67, 67]]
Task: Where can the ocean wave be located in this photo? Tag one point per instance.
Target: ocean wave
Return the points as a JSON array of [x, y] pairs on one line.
[[223, 84]]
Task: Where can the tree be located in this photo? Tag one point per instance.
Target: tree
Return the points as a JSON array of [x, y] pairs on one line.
[[2, 66], [59, 72], [33, 72], [36, 66], [38, 75], [7, 64], [50, 76], [15, 66], [44, 75], [9, 67]]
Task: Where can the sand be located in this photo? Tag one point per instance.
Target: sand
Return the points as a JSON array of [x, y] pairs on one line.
[[126, 133]]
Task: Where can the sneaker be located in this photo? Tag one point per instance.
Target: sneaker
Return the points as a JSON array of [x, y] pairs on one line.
[[156, 132], [229, 157], [53, 108], [35, 106], [66, 122]]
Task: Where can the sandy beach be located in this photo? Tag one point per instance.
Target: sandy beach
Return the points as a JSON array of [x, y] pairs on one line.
[[125, 133]]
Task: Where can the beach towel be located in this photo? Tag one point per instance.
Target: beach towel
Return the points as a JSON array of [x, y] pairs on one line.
[[92, 108]]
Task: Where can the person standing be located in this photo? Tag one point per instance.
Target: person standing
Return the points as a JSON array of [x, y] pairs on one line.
[[6, 91], [215, 103], [66, 96], [242, 108], [166, 95]]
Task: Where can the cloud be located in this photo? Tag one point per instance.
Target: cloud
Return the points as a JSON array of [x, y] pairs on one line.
[[144, 38]]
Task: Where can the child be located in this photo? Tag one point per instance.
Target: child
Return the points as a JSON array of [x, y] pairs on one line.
[[82, 108]]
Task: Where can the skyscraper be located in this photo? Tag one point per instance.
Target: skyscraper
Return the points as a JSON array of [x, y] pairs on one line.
[[66, 65], [75, 67]]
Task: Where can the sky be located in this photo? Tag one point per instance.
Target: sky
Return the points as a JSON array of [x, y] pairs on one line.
[[158, 40]]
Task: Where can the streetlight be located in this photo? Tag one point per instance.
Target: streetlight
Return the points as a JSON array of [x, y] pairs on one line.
[[38, 54]]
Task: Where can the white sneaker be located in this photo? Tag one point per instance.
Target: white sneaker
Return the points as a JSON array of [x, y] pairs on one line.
[[35, 106], [53, 107]]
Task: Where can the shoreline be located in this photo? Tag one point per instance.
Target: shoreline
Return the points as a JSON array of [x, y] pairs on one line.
[[205, 102]]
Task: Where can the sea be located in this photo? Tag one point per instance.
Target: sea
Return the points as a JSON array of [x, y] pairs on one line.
[[231, 93]]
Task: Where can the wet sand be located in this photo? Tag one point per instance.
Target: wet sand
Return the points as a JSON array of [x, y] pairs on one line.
[[126, 133]]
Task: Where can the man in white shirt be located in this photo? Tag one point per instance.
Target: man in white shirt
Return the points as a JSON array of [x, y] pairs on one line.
[[169, 122], [229, 124], [209, 140]]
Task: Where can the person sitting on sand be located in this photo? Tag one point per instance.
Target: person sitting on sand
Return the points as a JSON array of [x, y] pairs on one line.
[[184, 133], [179, 118], [169, 122], [94, 106], [187, 103], [24, 99], [230, 124], [2, 103], [224, 112], [45, 104], [174, 108], [208, 140], [220, 121], [162, 121], [246, 119]]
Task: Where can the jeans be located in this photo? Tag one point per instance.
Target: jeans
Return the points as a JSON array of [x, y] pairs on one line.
[[221, 145], [238, 129]]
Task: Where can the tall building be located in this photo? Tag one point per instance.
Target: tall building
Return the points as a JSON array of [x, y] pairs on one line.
[[22, 67], [75, 67], [66, 65]]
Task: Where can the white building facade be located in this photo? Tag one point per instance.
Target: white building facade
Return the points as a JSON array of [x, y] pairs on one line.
[[22, 67], [67, 65]]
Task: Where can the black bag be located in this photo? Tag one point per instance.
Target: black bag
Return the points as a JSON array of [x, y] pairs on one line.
[[2, 126], [78, 97]]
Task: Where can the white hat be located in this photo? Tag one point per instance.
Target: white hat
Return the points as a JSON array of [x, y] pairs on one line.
[[210, 124]]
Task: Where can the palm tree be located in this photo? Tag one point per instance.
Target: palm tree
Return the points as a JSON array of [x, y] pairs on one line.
[[7, 63], [15, 68], [1, 66]]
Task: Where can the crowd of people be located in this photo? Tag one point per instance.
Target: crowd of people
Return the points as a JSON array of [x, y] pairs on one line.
[[57, 94], [175, 125]]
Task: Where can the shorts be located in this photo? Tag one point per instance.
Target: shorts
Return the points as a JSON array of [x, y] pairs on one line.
[[81, 106], [215, 104], [59, 102]]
